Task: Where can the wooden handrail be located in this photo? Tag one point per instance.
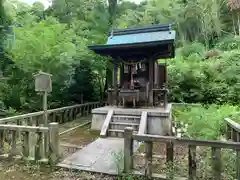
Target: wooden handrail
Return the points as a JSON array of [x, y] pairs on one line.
[[143, 123], [70, 107], [23, 116], [29, 116], [176, 140], [232, 130], [106, 123], [233, 124], [170, 141], [23, 128]]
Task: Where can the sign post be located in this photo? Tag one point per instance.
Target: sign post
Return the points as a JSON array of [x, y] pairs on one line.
[[43, 84]]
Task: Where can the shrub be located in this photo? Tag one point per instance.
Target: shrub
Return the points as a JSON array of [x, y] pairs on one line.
[[215, 80], [229, 43], [205, 122], [190, 49]]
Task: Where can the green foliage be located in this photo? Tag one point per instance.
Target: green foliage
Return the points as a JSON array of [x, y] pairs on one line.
[[48, 47], [83, 85], [55, 40], [205, 122], [229, 43], [192, 49], [193, 79]]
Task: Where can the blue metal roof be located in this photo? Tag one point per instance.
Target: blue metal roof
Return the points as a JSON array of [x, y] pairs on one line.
[[139, 43], [141, 37]]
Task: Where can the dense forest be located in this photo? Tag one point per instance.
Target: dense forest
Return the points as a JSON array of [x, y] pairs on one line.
[[206, 68]]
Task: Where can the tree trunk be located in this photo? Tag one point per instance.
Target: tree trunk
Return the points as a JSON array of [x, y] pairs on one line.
[[238, 19], [112, 9], [234, 28]]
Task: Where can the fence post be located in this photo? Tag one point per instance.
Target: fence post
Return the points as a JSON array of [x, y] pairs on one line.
[[54, 142], [228, 132], [148, 159], [128, 149], [192, 165], [170, 160], [216, 163]]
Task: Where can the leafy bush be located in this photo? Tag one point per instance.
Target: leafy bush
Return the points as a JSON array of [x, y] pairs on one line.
[[190, 49], [216, 80], [229, 43], [205, 122]]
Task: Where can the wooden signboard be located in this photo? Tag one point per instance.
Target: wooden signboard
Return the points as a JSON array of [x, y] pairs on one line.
[[43, 82]]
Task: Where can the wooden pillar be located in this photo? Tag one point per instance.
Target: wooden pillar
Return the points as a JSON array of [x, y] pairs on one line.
[[166, 74], [54, 142], [156, 78], [148, 159], [115, 83], [128, 150], [151, 80], [121, 74]]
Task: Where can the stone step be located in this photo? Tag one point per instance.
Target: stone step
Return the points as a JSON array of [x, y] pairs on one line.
[[123, 125], [126, 118], [117, 133]]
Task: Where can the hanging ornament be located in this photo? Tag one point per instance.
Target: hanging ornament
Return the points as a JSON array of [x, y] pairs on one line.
[[126, 68], [140, 65], [143, 66]]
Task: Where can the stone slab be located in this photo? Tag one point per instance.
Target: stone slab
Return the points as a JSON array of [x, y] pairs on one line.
[[152, 111], [105, 155]]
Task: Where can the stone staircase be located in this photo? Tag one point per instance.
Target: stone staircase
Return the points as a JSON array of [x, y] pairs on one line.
[[119, 122]]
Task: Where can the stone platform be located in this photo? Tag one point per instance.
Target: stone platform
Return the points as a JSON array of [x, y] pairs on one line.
[[101, 156], [158, 119]]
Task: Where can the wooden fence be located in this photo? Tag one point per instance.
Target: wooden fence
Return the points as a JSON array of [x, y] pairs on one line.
[[170, 141], [25, 135], [232, 130], [60, 115], [22, 146]]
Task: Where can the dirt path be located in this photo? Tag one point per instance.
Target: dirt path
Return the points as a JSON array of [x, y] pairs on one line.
[[16, 171]]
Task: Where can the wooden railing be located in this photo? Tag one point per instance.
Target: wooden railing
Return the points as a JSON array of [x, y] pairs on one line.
[[170, 141], [232, 130], [106, 123], [143, 123], [28, 142], [25, 135], [60, 115]]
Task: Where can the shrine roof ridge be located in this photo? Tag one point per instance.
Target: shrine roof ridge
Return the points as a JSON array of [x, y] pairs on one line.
[[144, 29]]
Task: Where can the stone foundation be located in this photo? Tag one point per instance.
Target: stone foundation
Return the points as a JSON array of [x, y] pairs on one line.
[[159, 119]]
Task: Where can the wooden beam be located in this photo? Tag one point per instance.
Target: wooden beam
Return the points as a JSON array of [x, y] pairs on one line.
[[143, 123], [216, 163], [233, 124], [192, 164], [148, 159], [26, 145], [40, 113], [23, 128], [175, 140], [128, 150], [238, 163], [151, 78], [54, 142], [15, 118], [106, 123], [170, 163], [71, 129], [115, 83], [156, 77]]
